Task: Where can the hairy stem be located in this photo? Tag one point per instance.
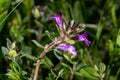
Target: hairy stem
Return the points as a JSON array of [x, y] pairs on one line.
[[46, 49]]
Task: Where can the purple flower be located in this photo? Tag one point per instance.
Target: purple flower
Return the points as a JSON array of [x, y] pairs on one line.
[[83, 37], [58, 18], [68, 47]]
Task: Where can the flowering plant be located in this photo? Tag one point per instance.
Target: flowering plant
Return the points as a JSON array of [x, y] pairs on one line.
[[41, 45], [68, 36], [67, 32]]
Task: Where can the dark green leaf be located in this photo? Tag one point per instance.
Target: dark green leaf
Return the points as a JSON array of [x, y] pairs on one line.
[[28, 56], [78, 16], [57, 53], [47, 62], [66, 65]]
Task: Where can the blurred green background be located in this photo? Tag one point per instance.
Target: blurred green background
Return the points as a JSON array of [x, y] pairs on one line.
[[25, 26]]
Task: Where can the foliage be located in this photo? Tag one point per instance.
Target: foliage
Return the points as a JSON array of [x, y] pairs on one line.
[[26, 27]]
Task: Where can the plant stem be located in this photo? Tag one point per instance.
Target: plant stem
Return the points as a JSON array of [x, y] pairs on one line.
[[101, 78], [46, 49], [36, 70], [72, 72]]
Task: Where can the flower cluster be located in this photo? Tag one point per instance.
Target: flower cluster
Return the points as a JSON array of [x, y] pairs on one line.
[[67, 46]]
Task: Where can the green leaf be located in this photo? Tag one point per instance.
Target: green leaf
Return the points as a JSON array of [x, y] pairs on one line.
[[57, 53], [102, 67], [15, 72], [19, 60], [113, 14], [4, 3], [79, 66], [15, 67], [53, 73], [38, 24], [9, 43], [92, 71], [78, 16], [33, 31], [47, 62], [24, 73], [36, 13], [80, 51], [18, 15], [13, 76], [110, 45], [4, 6], [13, 45], [118, 40], [28, 56], [5, 50], [51, 76], [49, 35], [28, 4], [12, 53], [37, 44], [68, 57], [99, 31], [66, 65], [26, 50], [60, 73], [70, 41], [113, 78], [86, 74]]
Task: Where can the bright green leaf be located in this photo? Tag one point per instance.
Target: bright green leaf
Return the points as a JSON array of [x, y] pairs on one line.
[[92, 71], [4, 6], [70, 41], [13, 45], [118, 40], [12, 53], [86, 74], [60, 72]]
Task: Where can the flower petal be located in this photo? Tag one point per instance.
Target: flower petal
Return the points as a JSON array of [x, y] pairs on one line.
[[87, 42], [68, 47], [83, 37], [58, 18]]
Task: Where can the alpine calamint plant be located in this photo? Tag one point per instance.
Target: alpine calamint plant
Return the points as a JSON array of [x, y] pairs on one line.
[[68, 32]]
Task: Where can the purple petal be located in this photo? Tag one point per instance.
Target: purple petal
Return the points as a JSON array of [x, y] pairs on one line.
[[87, 42], [68, 47], [58, 18], [83, 37]]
